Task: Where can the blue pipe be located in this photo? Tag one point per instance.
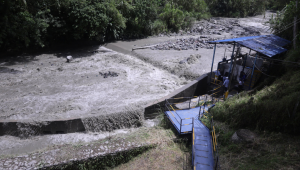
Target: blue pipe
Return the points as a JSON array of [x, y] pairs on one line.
[[252, 72], [212, 64]]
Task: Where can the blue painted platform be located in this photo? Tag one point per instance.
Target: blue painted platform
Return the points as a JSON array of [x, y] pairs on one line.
[[202, 154], [203, 157], [182, 119]]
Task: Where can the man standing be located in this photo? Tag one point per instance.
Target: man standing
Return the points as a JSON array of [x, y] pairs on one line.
[[225, 84], [218, 74]]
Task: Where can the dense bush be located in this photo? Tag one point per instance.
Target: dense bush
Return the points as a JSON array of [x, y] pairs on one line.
[[236, 8], [282, 23], [26, 23], [21, 26]]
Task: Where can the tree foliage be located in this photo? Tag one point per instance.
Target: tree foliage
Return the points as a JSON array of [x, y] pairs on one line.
[[282, 23], [31, 23], [236, 8]]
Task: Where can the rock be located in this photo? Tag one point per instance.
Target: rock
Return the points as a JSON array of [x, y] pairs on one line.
[[243, 135], [183, 61], [235, 138], [69, 58], [192, 59], [198, 56]]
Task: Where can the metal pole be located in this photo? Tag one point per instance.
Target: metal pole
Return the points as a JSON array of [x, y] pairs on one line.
[[212, 64], [245, 61], [252, 72], [230, 79], [232, 55], [200, 111]]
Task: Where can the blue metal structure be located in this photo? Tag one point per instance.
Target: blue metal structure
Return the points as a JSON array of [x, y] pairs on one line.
[[269, 45], [212, 64], [229, 41], [187, 121], [232, 55], [182, 119], [202, 157]]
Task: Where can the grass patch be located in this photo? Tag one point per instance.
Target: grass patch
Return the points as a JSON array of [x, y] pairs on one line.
[[268, 151], [206, 120], [167, 156], [273, 108]]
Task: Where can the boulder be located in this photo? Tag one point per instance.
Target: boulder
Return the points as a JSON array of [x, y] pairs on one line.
[[243, 135]]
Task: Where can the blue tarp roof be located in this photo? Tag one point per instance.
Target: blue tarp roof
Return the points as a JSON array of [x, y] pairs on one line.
[[269, 45], [227, 41]]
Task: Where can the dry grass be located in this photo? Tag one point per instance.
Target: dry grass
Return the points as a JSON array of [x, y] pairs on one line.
[[168, 156]]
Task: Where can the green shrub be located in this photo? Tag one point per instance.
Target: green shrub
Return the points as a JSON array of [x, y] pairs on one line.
[[173, 17], [21, 28], [273, 108], [236, 8], [159, 26]]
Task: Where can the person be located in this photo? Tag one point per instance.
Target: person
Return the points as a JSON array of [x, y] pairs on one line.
[[218, 74], [243, 77], [241, 74], [239, 87], [225, 84]]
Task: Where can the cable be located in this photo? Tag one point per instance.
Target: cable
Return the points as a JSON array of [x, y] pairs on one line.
[[288, 26], [260, 70]]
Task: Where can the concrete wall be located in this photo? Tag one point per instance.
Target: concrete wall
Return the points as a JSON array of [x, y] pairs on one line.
[[26, 128], [195, 88]]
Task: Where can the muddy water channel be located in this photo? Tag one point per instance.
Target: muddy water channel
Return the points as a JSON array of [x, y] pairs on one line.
[[100, 86]]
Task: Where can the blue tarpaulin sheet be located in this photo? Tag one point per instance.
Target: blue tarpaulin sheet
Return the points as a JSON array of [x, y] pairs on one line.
[[227, 41], [269, 45]]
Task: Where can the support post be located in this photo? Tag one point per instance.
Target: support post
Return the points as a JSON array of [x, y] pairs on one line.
[[232, 55], [212, 64], [230, 79], [200, 112], [245, 61], [252, 72]]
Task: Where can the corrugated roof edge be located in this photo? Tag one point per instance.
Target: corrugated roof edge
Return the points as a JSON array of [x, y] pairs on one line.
[[246, 38], [232, 40]]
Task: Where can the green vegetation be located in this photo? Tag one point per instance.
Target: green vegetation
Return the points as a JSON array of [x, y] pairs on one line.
[[282, 23], [236, 8], [273, 108], [29, 23], [268, 151]]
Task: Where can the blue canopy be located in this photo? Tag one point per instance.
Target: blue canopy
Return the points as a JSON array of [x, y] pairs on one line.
[[269, 45]]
